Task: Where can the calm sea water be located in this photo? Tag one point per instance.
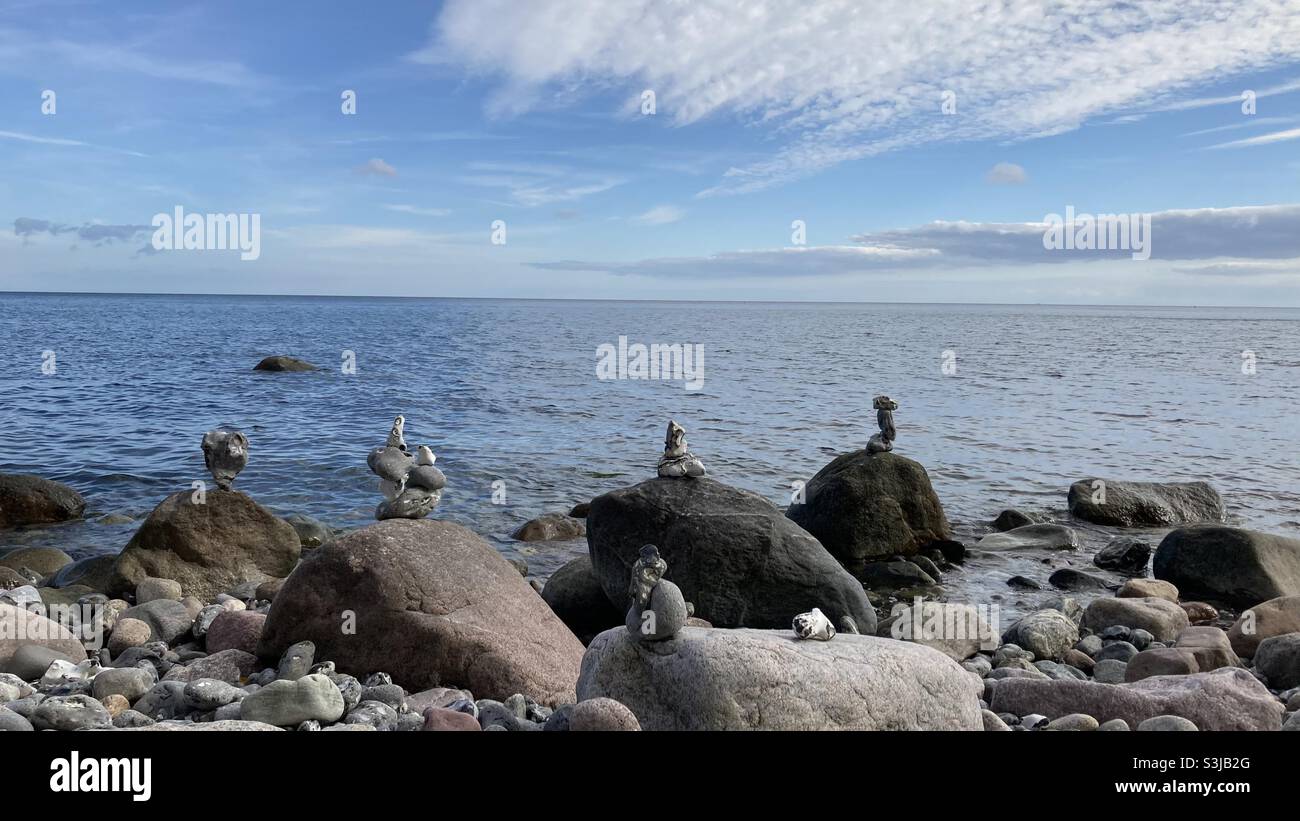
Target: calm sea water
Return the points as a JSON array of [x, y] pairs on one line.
[[507, 390]]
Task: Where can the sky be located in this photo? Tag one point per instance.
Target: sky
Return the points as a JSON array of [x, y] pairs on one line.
[[657, 149]]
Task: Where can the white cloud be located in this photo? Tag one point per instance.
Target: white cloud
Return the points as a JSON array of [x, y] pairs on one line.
[[660, 215], [32, 138], [839, 82], [418, 211], [1263, 139], [378, 168], [534, 184], [1266, 234], [1006, 173]]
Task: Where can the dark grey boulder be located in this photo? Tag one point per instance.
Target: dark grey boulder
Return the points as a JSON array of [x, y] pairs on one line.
[[31, 500], [1124, 554], [1144, 504], [1010, 519], [1228, 564], [732, 553], [575, 594], [864, 506], [1278, 660]]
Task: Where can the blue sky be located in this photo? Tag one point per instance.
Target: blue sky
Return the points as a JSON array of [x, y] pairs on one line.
[[471, 112]]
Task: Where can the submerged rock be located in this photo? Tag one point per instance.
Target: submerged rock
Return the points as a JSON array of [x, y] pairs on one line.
[[1144, 504], [734, 556], [550, 527], [1228, 564], [865, 506], [766, 679], [280, 363], [431, 603], [1124, 554], [1032, 537], [31, 500]]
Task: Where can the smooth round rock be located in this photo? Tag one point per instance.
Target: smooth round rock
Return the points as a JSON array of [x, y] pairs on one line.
[[602, 715], [79, 712], [1158, 724]]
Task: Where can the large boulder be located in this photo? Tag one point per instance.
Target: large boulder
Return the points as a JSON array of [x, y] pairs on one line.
[[1229, 564], [731, 552], [44, 561], [865, 506], [430, 603], [31, 500], [705, 679], [1278, 660], [22, 628], [1226, 699], [1144, 504], [209, 543], [1275, 617], [575, 594]]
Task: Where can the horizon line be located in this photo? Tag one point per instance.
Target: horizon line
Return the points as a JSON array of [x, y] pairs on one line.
[[614, 299]]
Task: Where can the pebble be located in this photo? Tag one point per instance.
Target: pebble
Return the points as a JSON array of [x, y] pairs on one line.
[[375, 713], [1166, 724], [391, 694], [296, 661], [1074, 722], [78, 712], [440, 719], [165, 700], [1109, 671], [1078, 660], [168, 620], [289, 703], [208, 694], [980, 665], [1117, 632], [13, 722], [1089, 645], [348, 686], [993, 724], [1118, 651], [1141, 639], [204, 620], [229, 712], [1008, 653], [602, 715], [152, 589], [132, 718], [1033, 721], [115, 704], [129, 682], [495, 714], [228, 666]]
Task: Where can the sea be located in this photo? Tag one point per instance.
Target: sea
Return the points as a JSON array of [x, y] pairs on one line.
[[1004, 405]]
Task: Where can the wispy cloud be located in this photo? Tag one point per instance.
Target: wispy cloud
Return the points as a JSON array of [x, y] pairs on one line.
[[376, 168], [533, 184], [1262, 139], [61, 141], [418, 211], [92, 232], [1006, 173], [660, 215], [850, 86]]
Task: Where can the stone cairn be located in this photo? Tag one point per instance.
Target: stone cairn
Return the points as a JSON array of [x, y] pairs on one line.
[[659, 610], [677, 461], [225, 453], [883, 441], [411, 485]]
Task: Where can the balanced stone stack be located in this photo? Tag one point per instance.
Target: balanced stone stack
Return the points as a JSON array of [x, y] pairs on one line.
[[411, 485]]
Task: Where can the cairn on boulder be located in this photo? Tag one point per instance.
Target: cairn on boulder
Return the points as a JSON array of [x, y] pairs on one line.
[[411, 485], [883, 441], [677, 460], [225, 453], [659, 609], [814, 625]]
